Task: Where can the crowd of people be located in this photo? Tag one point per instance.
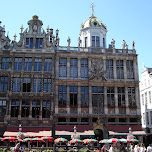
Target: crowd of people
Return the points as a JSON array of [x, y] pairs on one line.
[[128, 148]]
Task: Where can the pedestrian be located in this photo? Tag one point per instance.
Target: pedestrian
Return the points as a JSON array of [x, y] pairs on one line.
[[111, 149], [149, 148], [136, 149], [103, 149], [17, 148]]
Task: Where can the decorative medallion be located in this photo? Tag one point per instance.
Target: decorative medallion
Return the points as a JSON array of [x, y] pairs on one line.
[[96, 72]]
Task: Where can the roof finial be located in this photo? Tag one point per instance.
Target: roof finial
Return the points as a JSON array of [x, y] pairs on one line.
[[92, 8]]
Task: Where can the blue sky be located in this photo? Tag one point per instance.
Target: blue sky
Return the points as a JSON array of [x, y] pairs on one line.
[[125, 19]]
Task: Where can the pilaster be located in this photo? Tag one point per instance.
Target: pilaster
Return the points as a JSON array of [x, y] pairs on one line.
[[125, 69], [57, 68], [116, 100], [68, 67], [105, 101], [90, 99], [79, 68], [114, 69], [79, 99]]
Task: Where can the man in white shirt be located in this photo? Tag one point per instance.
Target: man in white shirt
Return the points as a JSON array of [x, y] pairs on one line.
[[149, 148]]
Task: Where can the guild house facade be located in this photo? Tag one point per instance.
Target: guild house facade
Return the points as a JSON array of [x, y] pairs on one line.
[[48, 88]]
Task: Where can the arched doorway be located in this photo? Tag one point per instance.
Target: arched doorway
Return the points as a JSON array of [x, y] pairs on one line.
[[98, 134]]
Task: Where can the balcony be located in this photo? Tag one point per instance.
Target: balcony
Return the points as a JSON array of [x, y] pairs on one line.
[[96, 50], [98, 110]]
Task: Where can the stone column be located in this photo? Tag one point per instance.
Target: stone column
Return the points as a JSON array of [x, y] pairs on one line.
[[79, 68], [105, 101], [79, 99], [114, 69], [9, 107], [33, 60], [57, 68], [116, 100], [68, 100], [137, 98], [89, 63], [41, 104], [104, 64], [126, 100], [23, 60], [90, 99], [56, 98], [68, 67], [125, 69], [30, 113], [43, 62], [20, 109], [135, 65]]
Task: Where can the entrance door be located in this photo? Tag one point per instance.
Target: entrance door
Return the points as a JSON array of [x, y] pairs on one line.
[[98, 134]]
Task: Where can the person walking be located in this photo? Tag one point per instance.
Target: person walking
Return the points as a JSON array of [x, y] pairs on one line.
[[149, 148]]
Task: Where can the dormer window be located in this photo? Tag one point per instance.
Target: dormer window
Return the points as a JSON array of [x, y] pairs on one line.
[[95, 23], [29, 43], [39, 43], [95, 41]]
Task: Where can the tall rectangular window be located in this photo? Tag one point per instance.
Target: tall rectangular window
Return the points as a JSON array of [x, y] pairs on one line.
[[73, 95], [26, 85], [39, 43], [25, 108], [84, 68], [5, 63], [147, 117], [48, 65], [149, 96], [18, 64], [98, 97], [15, 108], [131, 96], [121, 96], [29, 43], [104, 42], [73, 68], [46, 106], [86, 41], [62, 95], [47, 85], [110, 96], [3, 84], [3, 107], [28, 64], [35, 108], [84, 96], [130, 69], [109, 68], [119, 68], [142, 97], [38, 64], [144, 118], [151, 117], [16, 84], [95, 41], [37, 85], [62, 67], [146, 98]]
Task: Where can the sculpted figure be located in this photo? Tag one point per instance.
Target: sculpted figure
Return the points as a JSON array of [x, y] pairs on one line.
[[113, 43], [133, 45], [123, 44]]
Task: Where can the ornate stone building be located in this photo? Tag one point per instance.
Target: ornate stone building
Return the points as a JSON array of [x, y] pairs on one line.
[[91, 86]]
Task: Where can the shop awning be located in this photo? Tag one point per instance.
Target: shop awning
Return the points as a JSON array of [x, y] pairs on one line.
[[67, 130], [28, 131], [60, 130], [123, 130]]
